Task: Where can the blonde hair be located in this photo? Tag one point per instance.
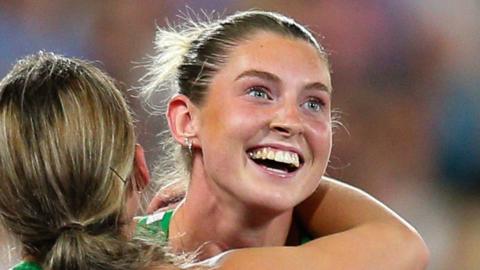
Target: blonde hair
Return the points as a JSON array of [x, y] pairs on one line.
[[67, 147], [188, 55]]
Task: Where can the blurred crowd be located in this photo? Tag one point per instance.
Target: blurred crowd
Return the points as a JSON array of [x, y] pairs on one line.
[[406, 78]]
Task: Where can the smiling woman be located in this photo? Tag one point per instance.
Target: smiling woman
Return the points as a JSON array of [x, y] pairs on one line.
[[259, 101], [251, 106]]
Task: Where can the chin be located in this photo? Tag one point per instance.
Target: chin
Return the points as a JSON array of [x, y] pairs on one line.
[[272, 203]]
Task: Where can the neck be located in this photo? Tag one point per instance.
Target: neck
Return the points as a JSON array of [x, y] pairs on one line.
[[209, 221], [29, 258]]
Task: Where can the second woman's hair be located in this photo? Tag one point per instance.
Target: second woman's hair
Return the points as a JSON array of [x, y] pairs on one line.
[[67, 152]]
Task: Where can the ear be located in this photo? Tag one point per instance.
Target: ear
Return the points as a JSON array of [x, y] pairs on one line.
[[181, 116], [142, 177]]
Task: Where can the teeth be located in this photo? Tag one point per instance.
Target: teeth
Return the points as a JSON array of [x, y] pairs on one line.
[[280, 157], [295, 160], [276, 155], [271, 155], [264, 153]]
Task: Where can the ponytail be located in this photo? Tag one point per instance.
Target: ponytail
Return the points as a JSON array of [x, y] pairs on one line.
[[77, 250], [69, 251]]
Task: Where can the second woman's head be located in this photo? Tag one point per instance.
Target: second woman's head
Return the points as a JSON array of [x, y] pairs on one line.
[[67, 165], [254, 101]]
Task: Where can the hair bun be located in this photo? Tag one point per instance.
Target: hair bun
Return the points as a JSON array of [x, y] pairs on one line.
[[171, 45]]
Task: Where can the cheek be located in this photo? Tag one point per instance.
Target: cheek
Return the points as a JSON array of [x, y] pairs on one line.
[[233, 122], [247, 121], [320, 137]]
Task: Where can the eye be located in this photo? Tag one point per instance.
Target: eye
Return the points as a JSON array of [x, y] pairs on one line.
[[259, 92], [314, 104]]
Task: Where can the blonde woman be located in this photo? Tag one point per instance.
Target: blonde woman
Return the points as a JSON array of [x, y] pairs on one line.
[[250, 106], [70, 171]]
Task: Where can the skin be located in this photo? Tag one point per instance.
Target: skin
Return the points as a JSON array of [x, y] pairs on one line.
[[260, 99], [141, 178]]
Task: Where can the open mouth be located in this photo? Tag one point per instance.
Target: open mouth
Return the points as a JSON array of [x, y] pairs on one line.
[[275, 159]]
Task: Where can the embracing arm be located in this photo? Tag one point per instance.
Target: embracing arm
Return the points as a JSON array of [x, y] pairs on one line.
[[346, 250], [364, 231], [354, 231]]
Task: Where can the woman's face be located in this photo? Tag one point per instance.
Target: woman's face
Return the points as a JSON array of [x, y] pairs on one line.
[[265, 126]]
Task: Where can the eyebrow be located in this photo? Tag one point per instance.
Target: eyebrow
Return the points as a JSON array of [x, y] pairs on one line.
[[274, 78], [318, 86]]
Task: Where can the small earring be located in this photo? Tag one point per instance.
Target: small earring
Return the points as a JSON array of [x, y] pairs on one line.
[[189, 145]]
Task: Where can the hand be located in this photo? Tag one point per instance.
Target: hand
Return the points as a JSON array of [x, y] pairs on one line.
[[168, 197]]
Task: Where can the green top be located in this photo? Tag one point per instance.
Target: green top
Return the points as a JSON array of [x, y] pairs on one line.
[[160, 223], [26, 265], [155, 224]]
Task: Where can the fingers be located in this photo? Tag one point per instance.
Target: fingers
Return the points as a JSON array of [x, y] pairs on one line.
[[167, 197], [156, 203]]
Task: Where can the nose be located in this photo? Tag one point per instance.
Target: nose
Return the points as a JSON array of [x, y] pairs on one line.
[[287, 121]]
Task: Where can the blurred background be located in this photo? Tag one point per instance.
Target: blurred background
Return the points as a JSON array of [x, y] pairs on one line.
[[406, 78]]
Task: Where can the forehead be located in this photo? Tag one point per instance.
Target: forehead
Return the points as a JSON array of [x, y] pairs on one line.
[[284, 56]]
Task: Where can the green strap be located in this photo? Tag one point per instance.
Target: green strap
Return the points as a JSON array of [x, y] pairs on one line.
[[155, 228], [27, 265], [166, 223]]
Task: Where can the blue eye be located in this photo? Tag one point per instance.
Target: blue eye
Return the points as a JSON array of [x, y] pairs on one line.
[[314, 105], [258, 92]]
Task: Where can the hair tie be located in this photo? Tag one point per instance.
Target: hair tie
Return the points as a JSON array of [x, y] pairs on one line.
[[75, 226]]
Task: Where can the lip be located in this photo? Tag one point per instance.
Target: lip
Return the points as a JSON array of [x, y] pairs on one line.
[[276, 174]]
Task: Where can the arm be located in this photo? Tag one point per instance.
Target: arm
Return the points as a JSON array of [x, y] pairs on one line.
[[335, 207], [352, 219], [351, 249]]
